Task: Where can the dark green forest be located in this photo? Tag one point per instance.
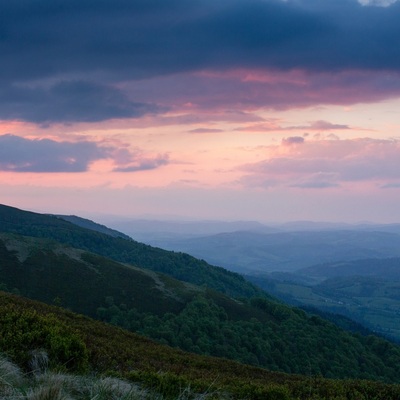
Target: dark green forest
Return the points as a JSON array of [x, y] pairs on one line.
[[290, 341], [257, 331], [367, 291], [179, 265], [80, 345]]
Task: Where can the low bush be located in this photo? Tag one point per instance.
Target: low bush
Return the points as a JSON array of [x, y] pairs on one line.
[[23, 333]]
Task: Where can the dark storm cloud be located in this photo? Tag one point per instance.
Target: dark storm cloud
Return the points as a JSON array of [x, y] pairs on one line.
[[43, 42], [68, 101], [23, 155], [138, 37]]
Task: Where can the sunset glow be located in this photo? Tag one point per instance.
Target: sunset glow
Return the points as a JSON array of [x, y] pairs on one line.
[[263, 110]]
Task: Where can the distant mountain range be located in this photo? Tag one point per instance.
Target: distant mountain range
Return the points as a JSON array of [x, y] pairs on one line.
[[252, 252]]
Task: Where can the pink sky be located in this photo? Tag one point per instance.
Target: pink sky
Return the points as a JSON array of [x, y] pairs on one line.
[[222, 133]]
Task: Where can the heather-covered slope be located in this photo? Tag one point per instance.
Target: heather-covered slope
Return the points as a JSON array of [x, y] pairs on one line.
[[93, 347]]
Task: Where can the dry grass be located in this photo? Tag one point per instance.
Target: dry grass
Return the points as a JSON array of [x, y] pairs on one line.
[[42, 384]]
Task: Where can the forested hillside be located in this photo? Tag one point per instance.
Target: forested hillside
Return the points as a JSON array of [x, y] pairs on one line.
[[179, 265], [367, 291], [256, 331], [77, 344]]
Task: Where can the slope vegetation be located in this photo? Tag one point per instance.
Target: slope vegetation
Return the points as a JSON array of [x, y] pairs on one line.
[[367, 291], [79, 344], [258, 331], [179, 265]]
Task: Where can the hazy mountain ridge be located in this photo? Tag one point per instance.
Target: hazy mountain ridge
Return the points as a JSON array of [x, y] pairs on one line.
[[255, 252], [89, 224]]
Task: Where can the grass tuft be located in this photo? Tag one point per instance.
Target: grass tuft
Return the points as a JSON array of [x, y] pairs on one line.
[[10, 374]]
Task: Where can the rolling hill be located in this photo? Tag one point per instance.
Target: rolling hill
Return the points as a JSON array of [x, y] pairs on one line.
[[179, 265], [258, 330]]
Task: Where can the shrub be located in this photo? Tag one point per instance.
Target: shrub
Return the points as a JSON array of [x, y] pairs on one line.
[[23, 332]]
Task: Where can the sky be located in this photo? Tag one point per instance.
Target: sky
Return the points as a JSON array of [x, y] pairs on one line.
[[266, 110]]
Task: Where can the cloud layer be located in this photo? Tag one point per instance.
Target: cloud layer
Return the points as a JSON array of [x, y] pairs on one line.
[[71, 61], [326, 163]]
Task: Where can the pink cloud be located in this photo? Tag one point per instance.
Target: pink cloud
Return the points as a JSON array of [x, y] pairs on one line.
[[18, 154], [326, 163], [205, 130], [274, 125], [250, 90], [293, 140], [321, 126]]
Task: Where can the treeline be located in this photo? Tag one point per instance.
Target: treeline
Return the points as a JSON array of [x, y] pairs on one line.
[[291, 341]]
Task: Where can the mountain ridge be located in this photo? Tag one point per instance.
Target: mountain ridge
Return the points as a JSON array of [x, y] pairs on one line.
[[179, 265]]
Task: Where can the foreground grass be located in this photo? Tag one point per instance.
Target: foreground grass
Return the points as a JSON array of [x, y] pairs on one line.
[[46, 385], [139, 365]]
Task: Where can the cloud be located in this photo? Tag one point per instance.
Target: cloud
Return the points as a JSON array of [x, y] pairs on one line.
[[144, 164], [395, 185], [322, 126], [250, 90], [135, 40], [275, 126], [378, 3], [18, 154], [205, 130], [327, 163], [68, 101], [23, 155], [293, 140], [66, 62]]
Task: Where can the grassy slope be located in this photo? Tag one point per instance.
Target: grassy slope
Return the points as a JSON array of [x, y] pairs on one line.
[[54, 273], [178, 265], [167, 370]]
